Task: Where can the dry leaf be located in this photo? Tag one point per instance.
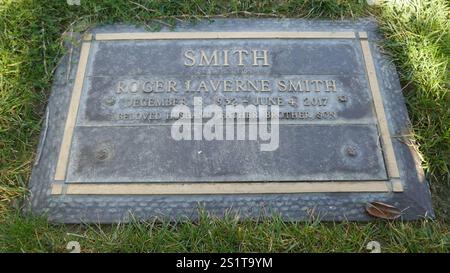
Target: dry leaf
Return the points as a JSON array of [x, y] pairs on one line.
[[382, 210]]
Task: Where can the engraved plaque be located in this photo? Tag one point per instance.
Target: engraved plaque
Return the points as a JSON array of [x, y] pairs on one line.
[[109, 147]]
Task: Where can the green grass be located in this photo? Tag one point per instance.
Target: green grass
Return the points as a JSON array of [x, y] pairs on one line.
[[230, 234], [417, 37]]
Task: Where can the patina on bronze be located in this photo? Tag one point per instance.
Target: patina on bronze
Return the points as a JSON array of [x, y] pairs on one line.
[[107, 149]]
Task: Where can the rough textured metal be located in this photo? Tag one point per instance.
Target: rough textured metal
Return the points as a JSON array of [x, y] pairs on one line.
[[99, 152]]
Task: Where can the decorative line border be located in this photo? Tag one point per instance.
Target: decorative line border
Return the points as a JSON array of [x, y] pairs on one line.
[[394, 184], [225, 188], [61, 166], [389, 156], [221, 35]]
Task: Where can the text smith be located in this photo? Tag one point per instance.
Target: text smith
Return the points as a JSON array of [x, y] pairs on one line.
[[238, 57]]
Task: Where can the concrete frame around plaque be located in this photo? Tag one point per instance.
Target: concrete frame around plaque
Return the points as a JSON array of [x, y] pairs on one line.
[[68, 186]]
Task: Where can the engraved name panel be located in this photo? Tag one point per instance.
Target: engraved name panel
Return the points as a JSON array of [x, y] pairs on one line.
[[328, 128]]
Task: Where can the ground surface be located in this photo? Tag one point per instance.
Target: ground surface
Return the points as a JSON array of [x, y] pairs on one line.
[[417, 36]]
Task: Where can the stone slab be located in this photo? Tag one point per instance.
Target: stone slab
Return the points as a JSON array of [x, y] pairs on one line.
[[106, 151]]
